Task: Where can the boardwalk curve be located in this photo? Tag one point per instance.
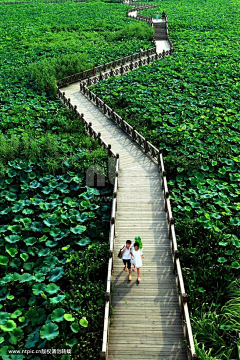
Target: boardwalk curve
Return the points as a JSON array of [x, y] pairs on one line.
[[146, 322]]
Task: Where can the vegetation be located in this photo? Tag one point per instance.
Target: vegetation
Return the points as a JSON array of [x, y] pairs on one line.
[[53, 227], [187, 106]]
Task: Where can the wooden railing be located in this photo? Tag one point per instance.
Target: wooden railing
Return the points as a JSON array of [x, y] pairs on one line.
[[157, 155], [92, 76], [104, 67], [94, 134]]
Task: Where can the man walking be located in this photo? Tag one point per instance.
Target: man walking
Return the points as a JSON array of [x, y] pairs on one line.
[[126, 257]]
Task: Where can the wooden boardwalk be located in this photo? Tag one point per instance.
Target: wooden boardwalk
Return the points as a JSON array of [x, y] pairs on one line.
[[146, 322]]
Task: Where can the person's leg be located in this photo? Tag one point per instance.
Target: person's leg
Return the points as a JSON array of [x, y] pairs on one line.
[[129, 270], [138, 274], [125, 264]]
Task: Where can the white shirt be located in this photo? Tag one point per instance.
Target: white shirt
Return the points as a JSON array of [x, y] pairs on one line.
[[126, 255]]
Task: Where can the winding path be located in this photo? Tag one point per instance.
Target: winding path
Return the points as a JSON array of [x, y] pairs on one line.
[[146, 322]]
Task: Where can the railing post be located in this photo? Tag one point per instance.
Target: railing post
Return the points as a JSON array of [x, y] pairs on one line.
[[99, 138], [90, 129]]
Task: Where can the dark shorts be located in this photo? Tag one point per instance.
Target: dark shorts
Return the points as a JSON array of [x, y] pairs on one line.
[[127, 262]]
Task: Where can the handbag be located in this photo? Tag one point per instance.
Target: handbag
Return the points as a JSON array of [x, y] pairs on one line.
[[120, 254]]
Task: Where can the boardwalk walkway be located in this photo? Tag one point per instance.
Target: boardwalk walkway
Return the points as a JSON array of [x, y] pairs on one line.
[[146, 321]]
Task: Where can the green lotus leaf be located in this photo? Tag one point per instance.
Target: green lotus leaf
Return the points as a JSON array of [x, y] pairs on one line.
[[53, 184], [12, 251], [236, 243], [63, 233], [205, 168], [28, 211], [15, 229], [57, 299], [215, 216], [3, 228], [38, 288], [201, 289], [235, 222], [1, 339], [51, 243], [83, 322], [36, 226], [6, 210], [51, 221], [44, 252], [57, 315], [235, 265], [16, 314], [74, 187], [69, 317], [93, 206], [25, 278], [30, 241], [24, 256], [32, 340], [9, 326], [43, 238], [194, 181], [83, 217], [46, 190], [36, 201], [75, 327], [4, 316], [222, 259], [26, 221], [52, 288], [49, 331], [21, 319], [55, 232], [11, 197], [71, 342], [53, 196], [4, 260], [79, 229], [56, 274], [6, 279], [84, 242], [229, 252], [34, 184], [63, 188], [39, 277], [223, 243]]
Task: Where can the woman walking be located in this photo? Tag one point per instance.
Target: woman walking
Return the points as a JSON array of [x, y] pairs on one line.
[[137, 256]]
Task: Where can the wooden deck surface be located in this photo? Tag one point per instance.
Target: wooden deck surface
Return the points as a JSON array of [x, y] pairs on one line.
[[146, 321]]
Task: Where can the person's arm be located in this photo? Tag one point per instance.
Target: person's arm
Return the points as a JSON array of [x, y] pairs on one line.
[[123, 249]]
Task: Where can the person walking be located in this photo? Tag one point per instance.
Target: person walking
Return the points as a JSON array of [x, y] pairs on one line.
[[137, 256], [126, 258], [157, 16]]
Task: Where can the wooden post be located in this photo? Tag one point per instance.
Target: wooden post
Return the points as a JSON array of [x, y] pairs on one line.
[[99, 138], [145, 145], [90, 129], [109, 150]]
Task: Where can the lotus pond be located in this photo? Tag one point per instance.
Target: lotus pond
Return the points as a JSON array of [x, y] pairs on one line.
[[53, 227], [187, 105]]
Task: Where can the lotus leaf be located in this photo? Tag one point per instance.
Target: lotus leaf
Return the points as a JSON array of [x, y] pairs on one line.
[[83, 322], [56, 274], [57, 299], [49, 331], [57, 315], [9, 326], [52, 288]]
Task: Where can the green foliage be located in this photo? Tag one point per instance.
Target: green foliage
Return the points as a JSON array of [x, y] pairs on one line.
[[186, 105]]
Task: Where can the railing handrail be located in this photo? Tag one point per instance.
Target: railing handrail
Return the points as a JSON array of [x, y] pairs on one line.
[[93, 133], [157, 155]]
